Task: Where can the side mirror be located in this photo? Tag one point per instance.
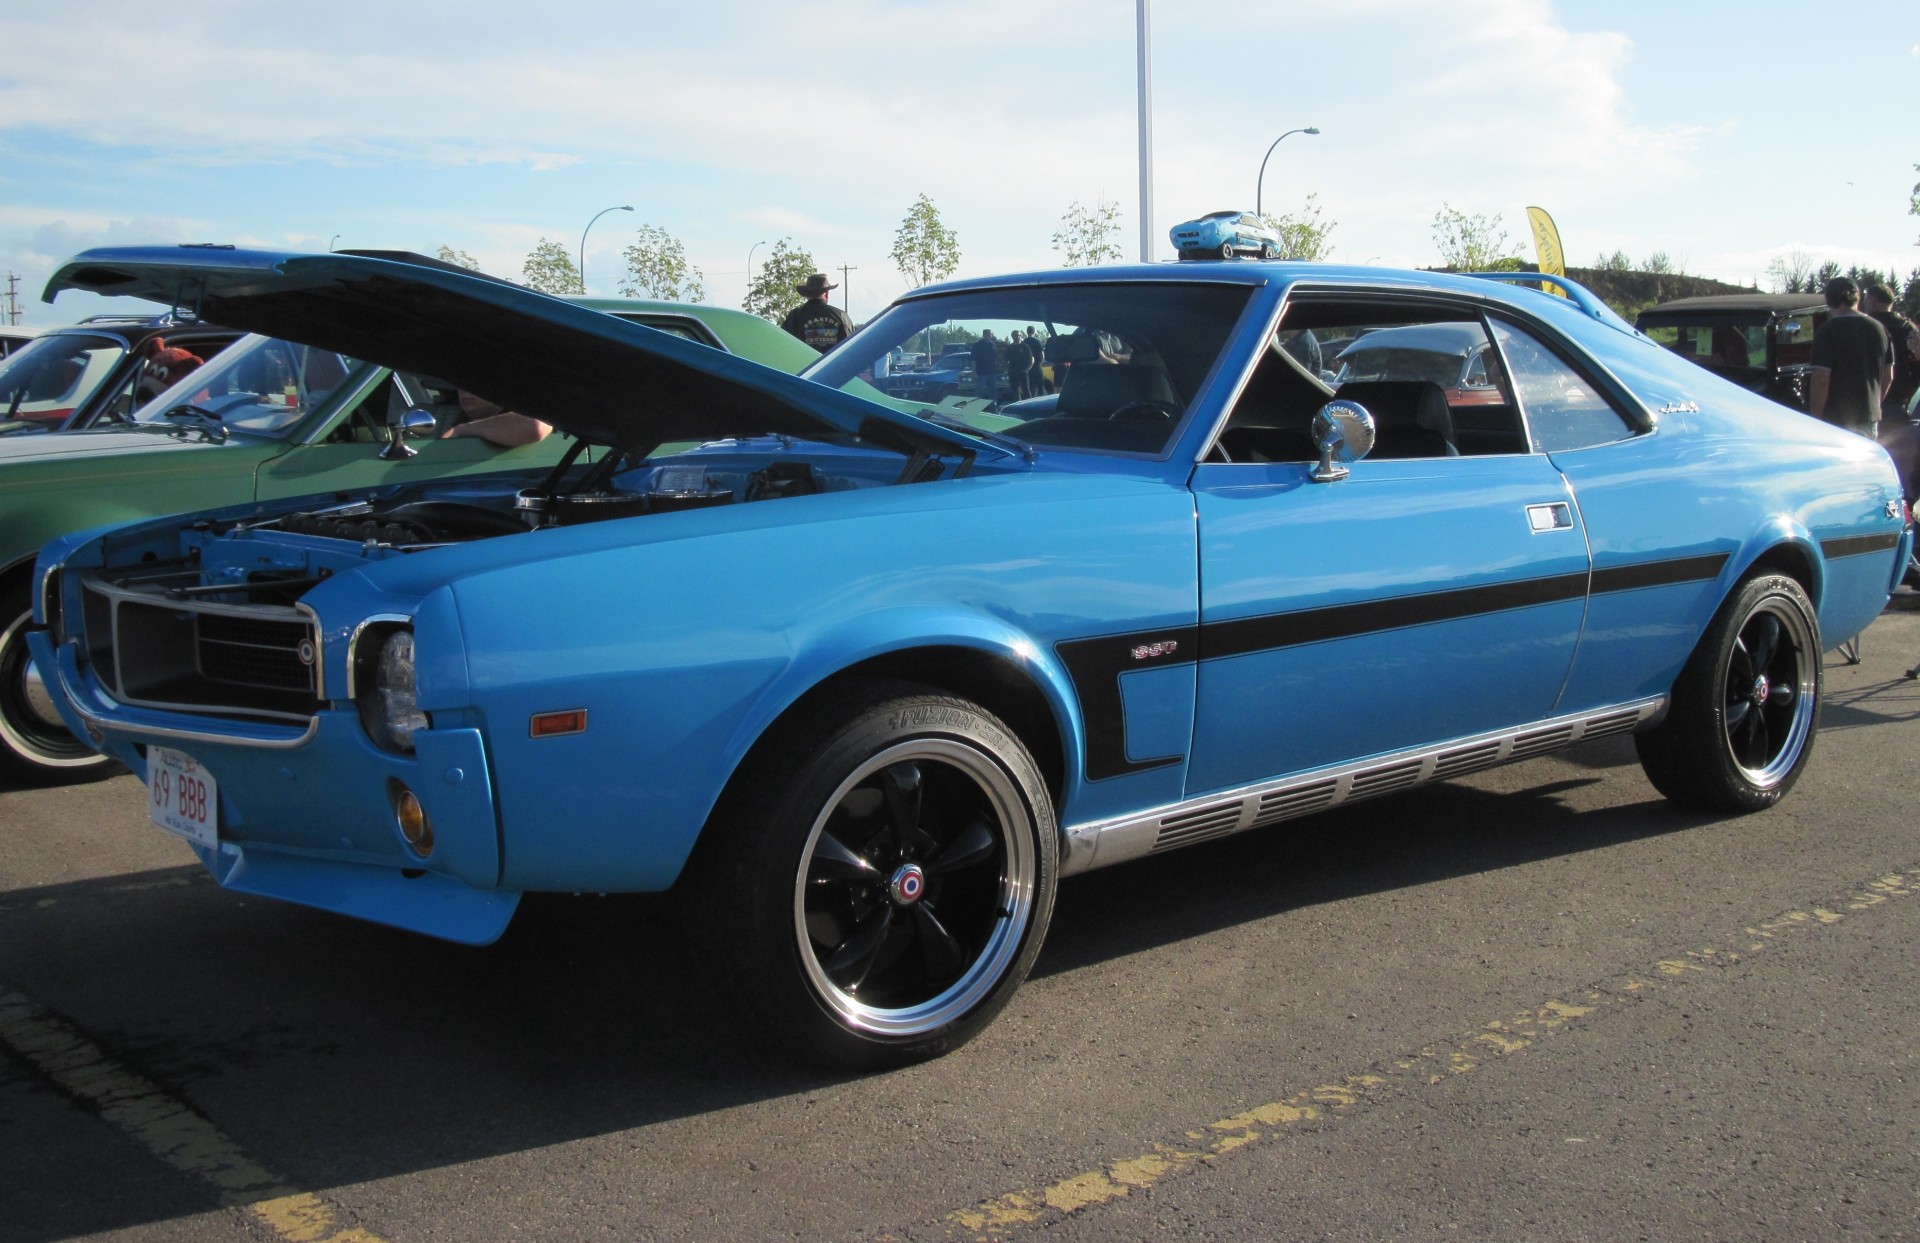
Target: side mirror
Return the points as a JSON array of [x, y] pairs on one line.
[[412, 421], [1343, 430]]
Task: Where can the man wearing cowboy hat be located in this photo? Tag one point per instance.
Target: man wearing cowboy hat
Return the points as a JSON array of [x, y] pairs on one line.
[[816, 321]]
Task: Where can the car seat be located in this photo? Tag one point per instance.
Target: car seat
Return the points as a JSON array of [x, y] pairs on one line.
[[1411, 418]]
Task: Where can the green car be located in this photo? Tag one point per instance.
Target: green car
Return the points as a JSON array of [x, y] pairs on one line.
[[265, 419]]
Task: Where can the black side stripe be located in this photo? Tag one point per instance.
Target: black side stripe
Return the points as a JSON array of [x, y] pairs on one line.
[[1343, 621], [1095, 664], [1855, 545], [1659, 573]]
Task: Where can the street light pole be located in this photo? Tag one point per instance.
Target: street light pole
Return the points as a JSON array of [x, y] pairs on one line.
[[1146, 131], [756, 246], [583, 243], [1260, 185]]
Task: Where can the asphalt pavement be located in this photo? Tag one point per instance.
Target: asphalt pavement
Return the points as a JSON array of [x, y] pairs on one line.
[[1538, 1002]]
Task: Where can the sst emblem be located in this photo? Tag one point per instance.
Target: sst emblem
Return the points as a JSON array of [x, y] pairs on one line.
[[305, 652]]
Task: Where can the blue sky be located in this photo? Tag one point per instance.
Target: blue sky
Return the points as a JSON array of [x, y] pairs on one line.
[[1724, 134]]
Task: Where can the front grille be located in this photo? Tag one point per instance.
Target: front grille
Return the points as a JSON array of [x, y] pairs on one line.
[[153, 645], [254, 651]]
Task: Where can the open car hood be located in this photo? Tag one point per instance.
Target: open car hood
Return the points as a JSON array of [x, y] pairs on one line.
[[588, 373]]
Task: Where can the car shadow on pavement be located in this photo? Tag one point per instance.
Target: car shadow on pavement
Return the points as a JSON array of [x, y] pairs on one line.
[[1440, 831], [593, 1016]]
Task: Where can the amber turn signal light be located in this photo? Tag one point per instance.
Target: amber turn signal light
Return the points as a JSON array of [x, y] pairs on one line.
[[412, 819], [553, 724]]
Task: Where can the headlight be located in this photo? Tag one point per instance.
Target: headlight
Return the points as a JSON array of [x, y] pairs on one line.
[[390, 706]]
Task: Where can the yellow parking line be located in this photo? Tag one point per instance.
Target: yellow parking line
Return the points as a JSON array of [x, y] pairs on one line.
[[1019, 1210], [166, 1127]]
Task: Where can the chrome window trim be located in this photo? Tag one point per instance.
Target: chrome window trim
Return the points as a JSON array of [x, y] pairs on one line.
[[353, 643], [1102, 843]]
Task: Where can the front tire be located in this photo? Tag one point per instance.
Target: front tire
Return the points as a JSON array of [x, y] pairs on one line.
[[879, 883], [1746, 706], [36, 748]]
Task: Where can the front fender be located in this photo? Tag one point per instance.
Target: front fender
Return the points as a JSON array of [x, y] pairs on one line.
[[822, 655]]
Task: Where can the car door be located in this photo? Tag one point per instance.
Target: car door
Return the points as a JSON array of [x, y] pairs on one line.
[[1421, 598]]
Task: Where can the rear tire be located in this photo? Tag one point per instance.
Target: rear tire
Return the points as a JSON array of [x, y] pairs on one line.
[[36, 748], [1226, 250], [879, 879], [1746, 707]]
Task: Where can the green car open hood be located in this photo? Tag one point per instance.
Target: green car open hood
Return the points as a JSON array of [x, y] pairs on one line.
[[587, 373]]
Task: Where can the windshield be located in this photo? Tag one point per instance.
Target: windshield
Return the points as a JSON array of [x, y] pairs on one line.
[[259, 385], [1107, 367], [45, 380]]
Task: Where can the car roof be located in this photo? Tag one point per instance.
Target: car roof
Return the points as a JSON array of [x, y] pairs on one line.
[[1773, 303], [1439, 338]]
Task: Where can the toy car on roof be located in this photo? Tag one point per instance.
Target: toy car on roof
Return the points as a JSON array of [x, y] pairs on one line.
[[1226, 235], [863, 683]]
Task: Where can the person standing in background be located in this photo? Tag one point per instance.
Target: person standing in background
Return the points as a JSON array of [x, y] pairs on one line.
[[816, 321], [1852, 363], [1877, 301]]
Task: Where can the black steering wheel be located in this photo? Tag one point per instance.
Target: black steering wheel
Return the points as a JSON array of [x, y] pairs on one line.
[[1145, 411]]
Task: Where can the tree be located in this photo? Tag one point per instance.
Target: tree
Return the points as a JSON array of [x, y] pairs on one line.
[[458, 258], [1791, 272], [925, 249], [1660, 263], [657, 267], [1913, 204], [1302, 234], [550, 270], [772, 294], [1087, 235], [1615, 262], [1472, 243]]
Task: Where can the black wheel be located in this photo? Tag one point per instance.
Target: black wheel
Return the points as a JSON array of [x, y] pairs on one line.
[[1266, 250], [1226, 250], [35, 747], [1745, 709], [880, 885]]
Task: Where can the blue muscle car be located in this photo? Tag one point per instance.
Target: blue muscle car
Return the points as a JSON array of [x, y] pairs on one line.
[[863, 685], [1225, 235]]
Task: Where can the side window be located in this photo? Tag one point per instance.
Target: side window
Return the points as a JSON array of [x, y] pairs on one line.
[[1563, 410], [1421, 371]]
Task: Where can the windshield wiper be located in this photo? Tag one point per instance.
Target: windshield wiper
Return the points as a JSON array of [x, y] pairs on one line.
[[1005, 441], [198, 417]]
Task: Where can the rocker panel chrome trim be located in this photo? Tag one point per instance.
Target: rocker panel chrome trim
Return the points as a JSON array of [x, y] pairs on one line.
[[1102, 843]]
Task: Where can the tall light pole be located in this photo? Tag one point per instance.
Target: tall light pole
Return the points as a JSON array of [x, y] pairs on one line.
[[1146, 133], [756, 246], [583, 243], [335, 238], [1259, 185]]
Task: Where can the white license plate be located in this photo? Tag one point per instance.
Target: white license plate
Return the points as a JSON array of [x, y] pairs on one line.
[[182, 797]]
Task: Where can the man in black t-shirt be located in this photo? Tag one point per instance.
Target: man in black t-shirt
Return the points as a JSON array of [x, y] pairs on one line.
[[816, 321], [986, 366], [1877, 301], [1852, 363]]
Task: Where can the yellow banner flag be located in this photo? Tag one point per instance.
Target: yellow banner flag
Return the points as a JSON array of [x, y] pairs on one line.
[[1546, 242]]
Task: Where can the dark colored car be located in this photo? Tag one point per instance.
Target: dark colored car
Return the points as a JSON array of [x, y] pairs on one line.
[[104, 366], [1761, 341]]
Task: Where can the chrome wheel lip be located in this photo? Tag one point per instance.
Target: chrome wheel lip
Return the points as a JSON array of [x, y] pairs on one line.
[[1013, 821], [1786, 756], [22, 692]]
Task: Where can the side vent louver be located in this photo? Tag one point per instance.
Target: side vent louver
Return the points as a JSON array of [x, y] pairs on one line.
[[1386, 777], [1202, 825], [1466, 759], [1299, 801], [1540, 741]]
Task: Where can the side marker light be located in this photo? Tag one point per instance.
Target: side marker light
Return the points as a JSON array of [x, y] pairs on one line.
[[554, 724]]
